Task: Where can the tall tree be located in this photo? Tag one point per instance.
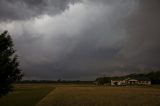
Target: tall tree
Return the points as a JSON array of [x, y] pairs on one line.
[[9, 65]]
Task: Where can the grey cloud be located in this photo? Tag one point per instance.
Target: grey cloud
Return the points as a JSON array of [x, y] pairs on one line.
[[89, 39], [94, 49], [142, 45], [26, 9]]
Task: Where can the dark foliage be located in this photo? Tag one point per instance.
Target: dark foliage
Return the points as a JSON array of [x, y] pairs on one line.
[[154, 77], [9, 71], [103, 80], [55, 82]]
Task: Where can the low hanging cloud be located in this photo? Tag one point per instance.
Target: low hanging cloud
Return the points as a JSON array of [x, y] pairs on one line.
[[83, 39], [26, 9]]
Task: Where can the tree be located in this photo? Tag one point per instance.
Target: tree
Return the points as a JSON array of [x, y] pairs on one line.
[[9, 66]]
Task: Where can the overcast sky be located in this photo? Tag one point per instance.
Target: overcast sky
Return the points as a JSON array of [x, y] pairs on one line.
[[83, 39]]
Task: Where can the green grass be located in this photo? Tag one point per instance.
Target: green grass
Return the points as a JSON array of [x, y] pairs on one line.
[[26, 95], [102, 96]]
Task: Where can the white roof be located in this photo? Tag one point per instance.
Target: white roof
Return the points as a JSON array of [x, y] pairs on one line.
[[132, 80]]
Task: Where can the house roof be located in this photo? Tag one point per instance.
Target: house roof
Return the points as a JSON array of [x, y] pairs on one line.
[[117, 78], [133, 78]]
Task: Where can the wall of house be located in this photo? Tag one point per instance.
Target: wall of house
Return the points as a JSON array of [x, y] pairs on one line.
[[117, 82], [130, 82], [144, 82]]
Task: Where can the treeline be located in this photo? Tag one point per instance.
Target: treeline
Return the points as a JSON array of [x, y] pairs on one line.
[[56, 82], [154, 76]]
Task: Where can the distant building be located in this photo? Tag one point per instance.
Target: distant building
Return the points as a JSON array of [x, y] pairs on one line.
[[130, 81], [118, 81]]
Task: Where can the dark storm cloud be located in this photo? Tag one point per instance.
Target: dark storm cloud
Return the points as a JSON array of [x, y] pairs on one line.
[[86, 54], [82, 41], [25, 9], [142, 47]]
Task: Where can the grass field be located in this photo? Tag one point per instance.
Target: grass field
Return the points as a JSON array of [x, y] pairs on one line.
[[26, 95], [81, 95], [102, 96]]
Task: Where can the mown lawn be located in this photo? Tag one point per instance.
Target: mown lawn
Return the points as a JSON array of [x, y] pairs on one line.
[[26, 95], [102, 96]]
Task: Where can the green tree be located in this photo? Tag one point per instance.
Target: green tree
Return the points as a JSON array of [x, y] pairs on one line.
[[9, 66]]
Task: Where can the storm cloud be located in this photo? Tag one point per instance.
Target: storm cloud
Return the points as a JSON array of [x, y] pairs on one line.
[[142, 46], [83, 39], [25, 9]]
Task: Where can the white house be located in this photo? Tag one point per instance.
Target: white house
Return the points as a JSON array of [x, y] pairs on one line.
[[131, 81]]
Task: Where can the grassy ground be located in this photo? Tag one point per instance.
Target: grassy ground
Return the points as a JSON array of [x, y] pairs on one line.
[[81, 95], [102, 96], [26, 95]]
